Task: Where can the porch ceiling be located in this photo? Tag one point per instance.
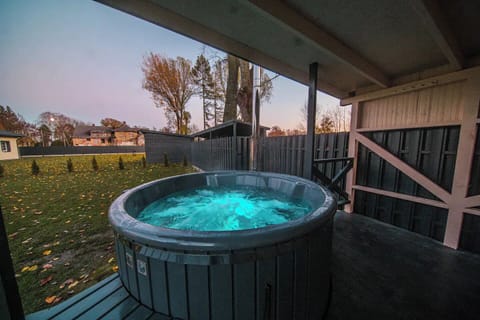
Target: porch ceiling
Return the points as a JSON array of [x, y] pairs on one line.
[[356, 43]]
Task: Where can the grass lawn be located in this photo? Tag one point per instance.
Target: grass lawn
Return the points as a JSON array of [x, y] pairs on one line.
[[57, 223]]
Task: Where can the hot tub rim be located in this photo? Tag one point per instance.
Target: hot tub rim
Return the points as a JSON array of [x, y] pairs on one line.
[[187, 240]]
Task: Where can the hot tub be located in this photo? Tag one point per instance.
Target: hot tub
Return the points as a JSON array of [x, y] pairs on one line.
[[279, 271]]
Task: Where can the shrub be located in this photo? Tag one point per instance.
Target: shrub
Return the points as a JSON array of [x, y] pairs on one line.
[[57, 143], [144, 162], [121, 166], [35, 168], [165, 160], [69, 165], [94, 164], [2, 171], [185, 163]]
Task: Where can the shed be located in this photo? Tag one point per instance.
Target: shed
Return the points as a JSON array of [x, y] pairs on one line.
[[158, 144], [231, 128]]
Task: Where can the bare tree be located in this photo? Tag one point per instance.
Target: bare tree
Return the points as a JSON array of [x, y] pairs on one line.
[[230, 111], [62, 126], [171, 85], [112, 123]]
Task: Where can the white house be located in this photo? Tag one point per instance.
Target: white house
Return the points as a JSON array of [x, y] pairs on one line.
[[8, 145]]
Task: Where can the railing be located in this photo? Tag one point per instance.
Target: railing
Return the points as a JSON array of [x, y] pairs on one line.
[[333, 184]]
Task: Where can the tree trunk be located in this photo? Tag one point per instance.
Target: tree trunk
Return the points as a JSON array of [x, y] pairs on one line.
[[245, 93], [230, 111]]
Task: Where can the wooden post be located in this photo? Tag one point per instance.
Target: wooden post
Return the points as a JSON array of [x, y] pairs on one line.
[[463, 164], [311, 111], [352, 153], [7, 277], [234, 146]]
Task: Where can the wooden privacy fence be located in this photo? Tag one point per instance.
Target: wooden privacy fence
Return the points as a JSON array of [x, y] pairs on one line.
[[228, 153], [382, 192], [284, 154]]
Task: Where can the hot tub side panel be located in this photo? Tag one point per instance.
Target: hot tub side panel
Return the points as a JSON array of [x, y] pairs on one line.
[[288, 280]]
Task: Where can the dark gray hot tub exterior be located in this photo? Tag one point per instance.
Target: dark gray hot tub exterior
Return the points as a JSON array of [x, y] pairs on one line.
[[276, 272]]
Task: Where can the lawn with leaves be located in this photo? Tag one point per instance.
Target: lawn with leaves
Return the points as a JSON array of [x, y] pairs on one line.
[[57, 224]]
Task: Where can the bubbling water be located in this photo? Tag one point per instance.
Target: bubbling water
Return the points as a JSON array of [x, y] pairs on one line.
[[223, 209]]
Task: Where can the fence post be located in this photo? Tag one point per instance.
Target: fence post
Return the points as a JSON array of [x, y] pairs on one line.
[[312, 107]]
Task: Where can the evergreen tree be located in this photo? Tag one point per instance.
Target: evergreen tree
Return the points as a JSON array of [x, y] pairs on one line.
[[69, 165], [203, 80], [165, 160], [121, 166], [35, 168], [2, 170], [94, 164]]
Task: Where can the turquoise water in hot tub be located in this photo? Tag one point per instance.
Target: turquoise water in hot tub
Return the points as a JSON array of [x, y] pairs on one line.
[[223, 209]]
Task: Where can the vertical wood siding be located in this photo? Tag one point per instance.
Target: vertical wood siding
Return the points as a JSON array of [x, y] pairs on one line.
[[436, 105]]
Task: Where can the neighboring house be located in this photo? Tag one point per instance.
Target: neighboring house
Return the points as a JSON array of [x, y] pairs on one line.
[[104, 136], [92, 136], [8, 145], [126, 136]]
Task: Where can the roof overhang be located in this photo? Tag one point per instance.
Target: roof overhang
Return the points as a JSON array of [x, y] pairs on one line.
[[359, 45]]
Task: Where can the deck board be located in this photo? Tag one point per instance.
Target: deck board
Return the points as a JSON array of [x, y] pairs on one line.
[[88, 302], [122, 310], [141, 313], [55, 310], [106, 305]]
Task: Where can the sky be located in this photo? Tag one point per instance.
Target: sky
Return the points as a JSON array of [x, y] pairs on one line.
[[83, 59]]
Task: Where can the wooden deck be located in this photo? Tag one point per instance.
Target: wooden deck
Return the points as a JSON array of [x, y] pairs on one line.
[[107, 299], [379, 272]]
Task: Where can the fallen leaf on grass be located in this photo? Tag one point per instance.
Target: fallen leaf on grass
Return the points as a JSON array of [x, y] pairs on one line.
[[70, 286], [115, 268], [66, 282], [46, 280], [13, 235], [30, 268], [47, 252], [47, 266], [50, 299], [111, 260]]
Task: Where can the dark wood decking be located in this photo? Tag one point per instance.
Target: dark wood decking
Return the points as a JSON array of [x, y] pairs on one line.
[[105, 300], [379, 272]]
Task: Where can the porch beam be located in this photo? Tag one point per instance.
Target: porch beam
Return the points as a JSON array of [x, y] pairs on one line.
[[414, 86], [432, 17], [325, 41], [412, 173], [402, 196], [463, 163], [311, 112]]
